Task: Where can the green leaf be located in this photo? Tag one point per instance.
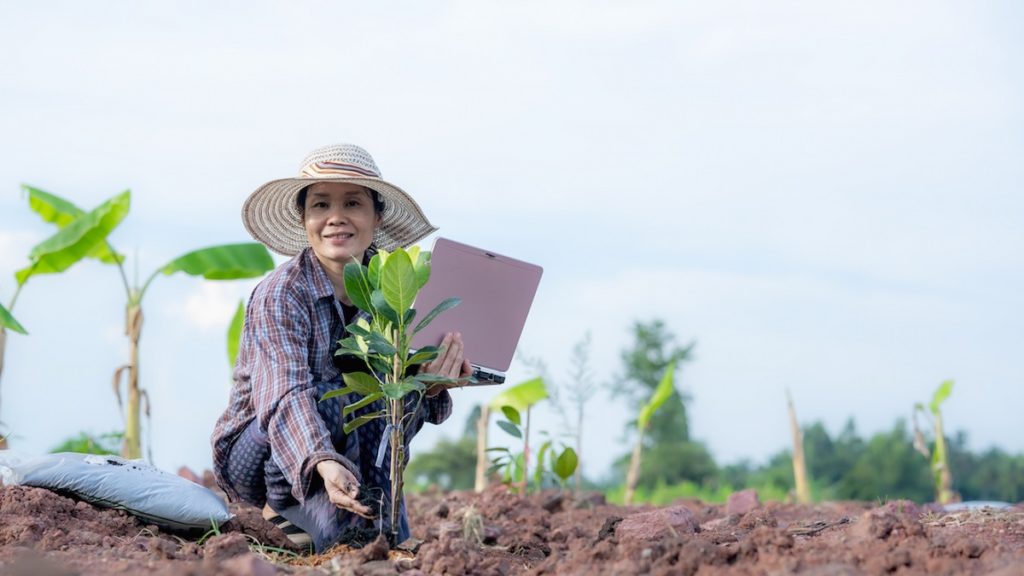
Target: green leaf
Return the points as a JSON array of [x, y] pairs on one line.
[[352, 345], [358, 329], [379, 365], [409, 316], [378, 344], [421, 263], [498, 449], [424, 355], [398, 390], [661, 394], [51, 208], [512, 414], [235, 333], [363, 402], [351, 425], [444, 305], [77, 239], [336, 392], [225, 262], [521, 396], [357, 286], [383, 308], [941, 393], [565, 465], [7, 321], [414, 254], [538, 474], [361, 383], [373, 270], [398, 281], [518, 467], [510, 428], [434, 379], [56, 210]]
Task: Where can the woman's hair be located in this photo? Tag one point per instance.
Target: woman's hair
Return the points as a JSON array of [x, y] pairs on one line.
[[378, 202]]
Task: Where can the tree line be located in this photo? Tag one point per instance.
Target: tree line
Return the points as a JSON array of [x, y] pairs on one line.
[[844, 466]]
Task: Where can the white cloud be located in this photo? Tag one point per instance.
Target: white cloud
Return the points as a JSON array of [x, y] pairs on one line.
[[211, 305]]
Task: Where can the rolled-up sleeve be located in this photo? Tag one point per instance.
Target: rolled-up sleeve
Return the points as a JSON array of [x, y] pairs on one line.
[[284, 395]]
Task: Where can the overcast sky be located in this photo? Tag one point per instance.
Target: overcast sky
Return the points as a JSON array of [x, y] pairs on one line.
[[825, 197]]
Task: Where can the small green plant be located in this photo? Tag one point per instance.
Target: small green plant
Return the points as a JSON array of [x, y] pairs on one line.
[[225, 262], [386, 290], [572, 396], [939, 458], [550, 462], [84, 443], [661, 394], [514, 466]]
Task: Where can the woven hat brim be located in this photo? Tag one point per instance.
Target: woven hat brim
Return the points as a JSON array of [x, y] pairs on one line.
[[271, 216]]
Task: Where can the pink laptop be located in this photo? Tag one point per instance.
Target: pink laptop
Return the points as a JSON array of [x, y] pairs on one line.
[[496, 291]]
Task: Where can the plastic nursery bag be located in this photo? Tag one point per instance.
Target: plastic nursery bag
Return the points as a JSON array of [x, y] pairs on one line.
[[162, 498]]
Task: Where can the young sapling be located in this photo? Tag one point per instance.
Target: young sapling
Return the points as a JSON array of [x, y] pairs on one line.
[[385, 289], [944, 493], [661, 394]]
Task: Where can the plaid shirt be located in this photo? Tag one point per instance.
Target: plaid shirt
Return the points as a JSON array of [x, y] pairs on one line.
[[292, 325]]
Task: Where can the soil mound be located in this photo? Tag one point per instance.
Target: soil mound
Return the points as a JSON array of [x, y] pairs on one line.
[[498, 532]]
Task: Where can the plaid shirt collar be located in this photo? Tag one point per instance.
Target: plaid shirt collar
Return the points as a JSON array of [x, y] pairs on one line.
[[319, 283]]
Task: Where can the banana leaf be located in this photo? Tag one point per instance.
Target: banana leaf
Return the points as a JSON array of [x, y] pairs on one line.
[[56, 210], [661, 394], [225, 262], [77, 239], [7, 321]]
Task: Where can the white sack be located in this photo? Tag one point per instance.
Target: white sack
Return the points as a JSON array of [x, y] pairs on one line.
[[160, 497]]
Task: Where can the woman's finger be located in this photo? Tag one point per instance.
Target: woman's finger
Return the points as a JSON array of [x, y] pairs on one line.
[[352, 505], [453, 351], [435, 366]]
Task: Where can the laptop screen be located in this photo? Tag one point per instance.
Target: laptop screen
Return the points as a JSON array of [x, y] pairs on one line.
[[496, 291]]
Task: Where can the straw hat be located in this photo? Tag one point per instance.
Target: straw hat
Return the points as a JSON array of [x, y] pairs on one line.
[[271, 215]]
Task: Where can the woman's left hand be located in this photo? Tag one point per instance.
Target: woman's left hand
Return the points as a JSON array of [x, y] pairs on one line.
[[452, 363]]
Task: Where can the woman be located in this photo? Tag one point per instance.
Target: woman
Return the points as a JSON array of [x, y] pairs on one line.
[[277, 446]]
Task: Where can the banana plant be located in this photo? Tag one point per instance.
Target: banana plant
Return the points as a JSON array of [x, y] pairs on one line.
[[661, 394], [81, 235], [939, 456], [7, 322], [224, 262], [386, 290]]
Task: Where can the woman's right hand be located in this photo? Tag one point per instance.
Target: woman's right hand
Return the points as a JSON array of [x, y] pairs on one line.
[[451, 363], [342, 487]]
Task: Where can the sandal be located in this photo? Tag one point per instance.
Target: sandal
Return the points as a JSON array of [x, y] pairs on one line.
[[294, 533]]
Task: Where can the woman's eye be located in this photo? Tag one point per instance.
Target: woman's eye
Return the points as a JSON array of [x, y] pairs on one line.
[[319, 204]]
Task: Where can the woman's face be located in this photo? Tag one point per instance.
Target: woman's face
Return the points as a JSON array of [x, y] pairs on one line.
[[340, 220]]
